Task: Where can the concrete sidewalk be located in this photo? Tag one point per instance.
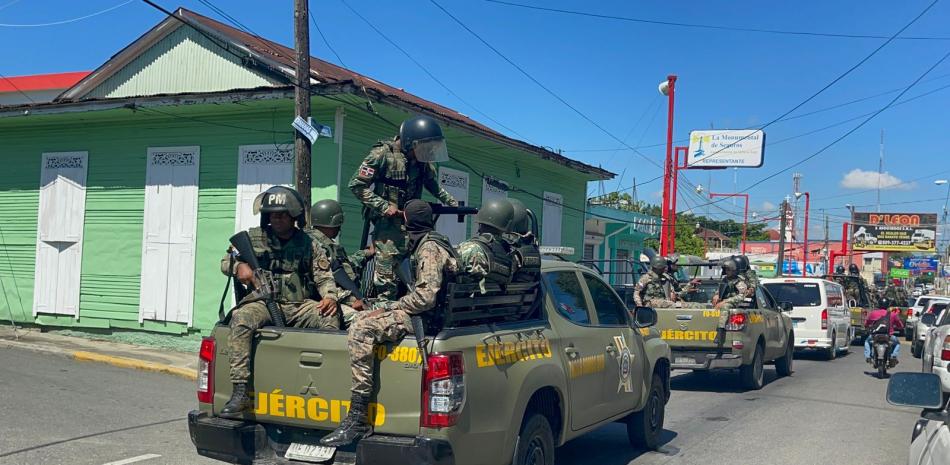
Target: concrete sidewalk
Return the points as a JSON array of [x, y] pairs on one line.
[[91, 350]]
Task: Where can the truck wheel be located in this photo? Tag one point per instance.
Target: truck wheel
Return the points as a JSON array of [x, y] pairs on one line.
[[535, 442], [783, 365], [753, 375], [832, 351], [916, 349], [644, 427]]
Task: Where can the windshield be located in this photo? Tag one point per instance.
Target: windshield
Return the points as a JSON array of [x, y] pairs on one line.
[[798, 294]]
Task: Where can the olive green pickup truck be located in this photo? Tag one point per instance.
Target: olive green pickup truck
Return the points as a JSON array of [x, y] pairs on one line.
[[758, 332], [509, 375]]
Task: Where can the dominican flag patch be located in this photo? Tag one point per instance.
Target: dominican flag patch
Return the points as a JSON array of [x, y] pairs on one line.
[[366, 171]]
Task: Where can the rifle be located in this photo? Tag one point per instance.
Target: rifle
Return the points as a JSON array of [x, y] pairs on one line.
[[418, 328], [264, 284], [344, 280], [460, 211]]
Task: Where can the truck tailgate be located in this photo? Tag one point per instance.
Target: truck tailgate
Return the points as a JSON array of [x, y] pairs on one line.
[[302, 378], [688, 328]]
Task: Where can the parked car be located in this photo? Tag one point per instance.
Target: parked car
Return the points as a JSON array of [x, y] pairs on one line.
[[820, 316], [930, 439], [935, 354], [920, 329]]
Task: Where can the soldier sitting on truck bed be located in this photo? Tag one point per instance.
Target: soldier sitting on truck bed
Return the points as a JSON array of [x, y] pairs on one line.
[[746, 271], [434, 264], [488, 257], [732, 292], [326, 219], [527, 255], [650, 290], [287, 252]]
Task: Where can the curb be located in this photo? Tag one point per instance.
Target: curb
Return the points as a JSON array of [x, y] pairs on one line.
[[124, 362]]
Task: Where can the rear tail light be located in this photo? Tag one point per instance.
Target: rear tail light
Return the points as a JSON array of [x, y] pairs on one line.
[[910, 312], [736, 322], [945, 352], [824, 319], [206, 371], [443, 390]]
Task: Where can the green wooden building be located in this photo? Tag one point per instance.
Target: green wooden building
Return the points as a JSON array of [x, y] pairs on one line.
[[117, 198]]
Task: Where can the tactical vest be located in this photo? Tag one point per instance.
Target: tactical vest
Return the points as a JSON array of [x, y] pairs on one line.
[[530, 269], [335, 253], [401, 180], [499, 258], [443, 242], [290, 264], [728, 288]]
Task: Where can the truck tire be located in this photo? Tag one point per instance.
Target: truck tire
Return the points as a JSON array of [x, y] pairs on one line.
[[644, 427], [535, 442], [916, 349], [832, 352], [753, 374], [783, 364]]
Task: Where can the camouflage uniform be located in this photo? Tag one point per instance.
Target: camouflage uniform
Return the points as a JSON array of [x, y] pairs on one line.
[[395, 180], [485, 258], [751, 278], [294, 268], [650, 291], [435, 263], [326, 252], [735, 291]]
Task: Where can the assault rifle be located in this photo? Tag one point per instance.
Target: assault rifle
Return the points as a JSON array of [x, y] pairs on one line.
[[460, 211], [418, 328], [344, 280], [265, 286]]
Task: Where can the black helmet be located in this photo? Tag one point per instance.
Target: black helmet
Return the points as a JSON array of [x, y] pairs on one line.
[[742, 263], [423, 136], [729, 265], [658, 264], [853, 269], [326, 213], [280, 199], [672, 260], [839, 269], [497, 213], [884, 303], [519, 223]]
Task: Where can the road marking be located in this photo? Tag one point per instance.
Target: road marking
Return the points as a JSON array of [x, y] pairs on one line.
[[134, 459]]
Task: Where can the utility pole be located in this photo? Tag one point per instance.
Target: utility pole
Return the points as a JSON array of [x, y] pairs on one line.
[[780, 263], [880, 171], [827, 262], [302, 99]]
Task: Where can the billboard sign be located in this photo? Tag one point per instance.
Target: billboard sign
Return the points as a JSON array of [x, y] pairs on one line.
[[921, 265], [899, 273], [725, 148], [895, 232]]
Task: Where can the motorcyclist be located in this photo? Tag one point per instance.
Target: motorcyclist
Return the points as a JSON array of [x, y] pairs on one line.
[[880, 321]]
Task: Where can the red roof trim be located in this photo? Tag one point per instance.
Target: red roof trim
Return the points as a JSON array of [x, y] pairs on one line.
[[41, 81]]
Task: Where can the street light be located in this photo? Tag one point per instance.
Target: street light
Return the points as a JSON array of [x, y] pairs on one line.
[[667, 88], [798, 195], [941, 182]]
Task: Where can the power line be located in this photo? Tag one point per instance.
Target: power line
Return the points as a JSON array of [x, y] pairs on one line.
[[18, 89], [707, 26], [325, 41], [67, 21]]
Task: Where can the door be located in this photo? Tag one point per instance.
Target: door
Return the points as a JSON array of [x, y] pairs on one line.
[[583, 346], [625, 370], [168, 234], [59, 233], [551, 216], [774, 342], [838, 315], [259, 168], [456, 183], [492, 191]]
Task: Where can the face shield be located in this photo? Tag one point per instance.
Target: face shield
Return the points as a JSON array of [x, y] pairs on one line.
[[430, 150]]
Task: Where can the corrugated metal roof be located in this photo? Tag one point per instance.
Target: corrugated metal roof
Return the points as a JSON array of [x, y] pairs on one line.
[[41, 81]]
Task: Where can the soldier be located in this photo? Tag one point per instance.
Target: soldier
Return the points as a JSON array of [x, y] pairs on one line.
[[398, 169], [732, 291], [650, 290], [435, 263], [326, 219], [527, 255], [746, 272], [488, 257], [287, 252]]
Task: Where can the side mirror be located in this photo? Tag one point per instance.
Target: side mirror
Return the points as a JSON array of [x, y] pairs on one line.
[[644, 317], [928, 319], [908, 389], [852, 303], [785, 306]]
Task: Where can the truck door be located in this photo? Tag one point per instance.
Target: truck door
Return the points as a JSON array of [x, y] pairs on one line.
[[582, 346], [774, 342], [625, 369]]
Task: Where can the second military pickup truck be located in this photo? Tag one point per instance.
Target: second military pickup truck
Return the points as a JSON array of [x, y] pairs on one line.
[[508, 376], [758, 332]]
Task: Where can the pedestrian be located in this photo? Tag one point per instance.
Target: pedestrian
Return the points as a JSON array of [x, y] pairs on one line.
[[398, 170], [285, 251], [435, 263]]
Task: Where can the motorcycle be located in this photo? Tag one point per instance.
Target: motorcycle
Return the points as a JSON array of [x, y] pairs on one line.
[[881, 353]]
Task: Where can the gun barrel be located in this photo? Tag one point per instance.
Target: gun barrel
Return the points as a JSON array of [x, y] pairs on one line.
[[242, 243]]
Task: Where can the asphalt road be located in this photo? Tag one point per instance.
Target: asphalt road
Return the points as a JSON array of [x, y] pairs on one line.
[[58, 411], [826, 412]]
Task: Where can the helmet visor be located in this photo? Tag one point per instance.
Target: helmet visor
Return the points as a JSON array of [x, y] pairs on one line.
[[430, 150]]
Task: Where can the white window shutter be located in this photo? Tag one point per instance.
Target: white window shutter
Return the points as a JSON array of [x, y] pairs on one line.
[[259, 168], [551, 219], [455, 182]]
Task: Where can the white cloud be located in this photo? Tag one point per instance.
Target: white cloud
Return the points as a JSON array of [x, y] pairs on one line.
[[768, 205], [860, 179]]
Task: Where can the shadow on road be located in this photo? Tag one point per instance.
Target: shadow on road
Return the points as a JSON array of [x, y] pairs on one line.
[[819, 356], [716, 381], [608, 445], [87, 436]]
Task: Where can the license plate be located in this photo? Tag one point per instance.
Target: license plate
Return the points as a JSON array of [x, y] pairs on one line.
[[685, 360], [309, 452]]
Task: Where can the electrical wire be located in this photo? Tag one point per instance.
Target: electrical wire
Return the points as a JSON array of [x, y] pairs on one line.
[[18, 89], [325, 41], [67, 21]]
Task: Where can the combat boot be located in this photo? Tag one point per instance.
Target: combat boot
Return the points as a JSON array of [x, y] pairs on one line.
[[720, 340], [238, 403], [354, 427]]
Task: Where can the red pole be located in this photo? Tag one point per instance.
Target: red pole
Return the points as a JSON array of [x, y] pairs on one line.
[[745, 221], [805, 256], [674, 195], [667, 169]]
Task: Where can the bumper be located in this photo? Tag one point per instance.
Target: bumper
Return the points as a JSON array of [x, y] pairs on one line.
[[242, 442], [700, 361], [944, 375], [812, 343]]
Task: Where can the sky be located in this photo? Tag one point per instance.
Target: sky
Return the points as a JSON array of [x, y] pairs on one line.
[[588, 80]]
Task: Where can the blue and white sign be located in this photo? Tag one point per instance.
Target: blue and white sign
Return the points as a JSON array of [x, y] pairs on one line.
[[726, 148]]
